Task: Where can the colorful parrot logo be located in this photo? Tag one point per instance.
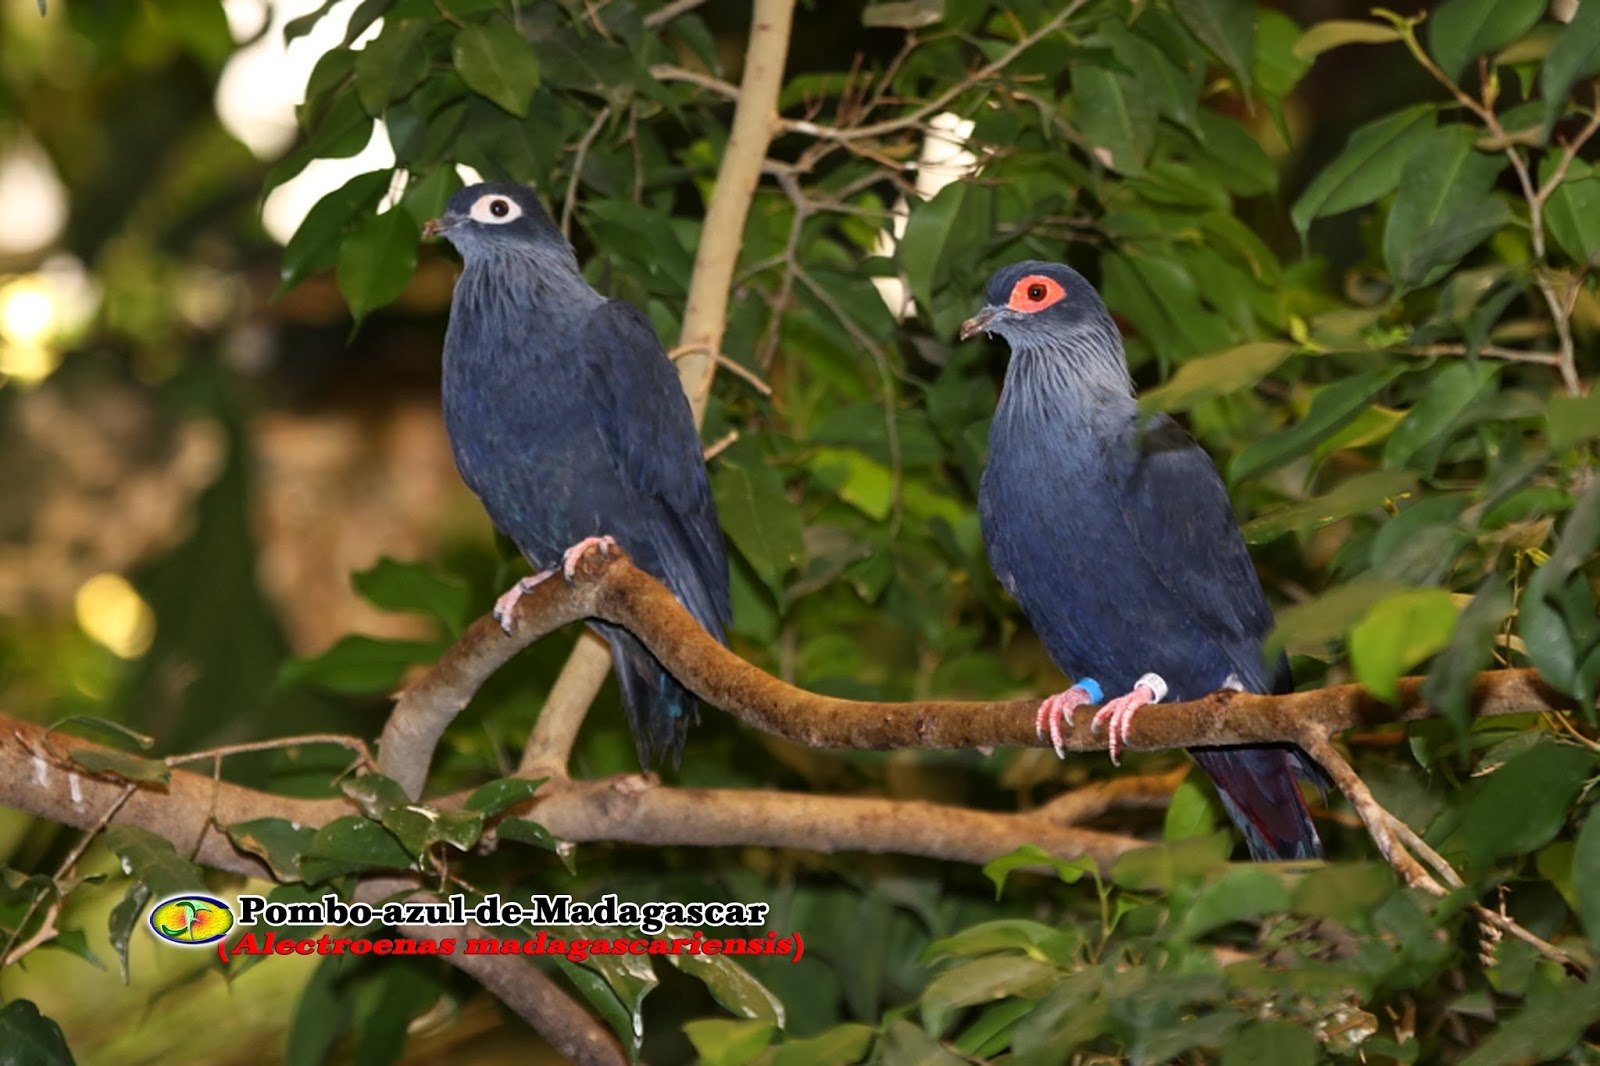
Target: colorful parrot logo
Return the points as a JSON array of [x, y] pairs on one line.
[[190, 920]]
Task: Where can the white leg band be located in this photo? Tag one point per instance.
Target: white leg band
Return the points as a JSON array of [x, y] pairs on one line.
[[1156, 685]]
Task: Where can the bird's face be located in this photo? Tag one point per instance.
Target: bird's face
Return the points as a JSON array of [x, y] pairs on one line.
[[1034, 301], [491, 217]]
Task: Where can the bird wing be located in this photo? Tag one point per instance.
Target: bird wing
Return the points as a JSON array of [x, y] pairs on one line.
[[1179, 517], [648, 433]]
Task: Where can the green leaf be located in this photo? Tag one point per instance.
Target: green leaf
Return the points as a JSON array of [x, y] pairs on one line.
[[1218, 374], [1572, 420], [1433, 420], [1461, 30], [623, 979], [391, 65], [1399, 633], [721, 1042], [1328, 617], [315, 245], [1572, 215], [1165, 866], [1557, 616], [1519, 807], [1116, 118], [1031, 857], [416, 587], [1227, 27], [1006, 934], [376, 260], [757, 516], [1574, 57], [1543, 1031], [1191, 812], [1333, 407], [375, 794], [928, 230], [122, 764], [1356, 495], [1271, 1043], [1586, 875], [1345, 892], [499, 796], [122, 920], [1367, 169], [276, 841], [866, 485], [527, 832], [28, 1038], [843, 1045], [497, 63], [1336, 32], [1470, 650], [1444, 207], [1242, 893], [731, 986], [983, 980], [349, 845], [359, 664], [153, 860]]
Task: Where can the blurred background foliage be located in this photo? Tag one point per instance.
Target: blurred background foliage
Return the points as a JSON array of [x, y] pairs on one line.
[[1355, 250]]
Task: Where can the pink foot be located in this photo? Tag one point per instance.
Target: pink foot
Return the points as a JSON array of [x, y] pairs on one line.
[[1055, 713], [1117, 715], [506, 606], [570, 558]]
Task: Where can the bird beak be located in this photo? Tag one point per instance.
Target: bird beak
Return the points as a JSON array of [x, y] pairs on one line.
[[438, 227], [979, 322]]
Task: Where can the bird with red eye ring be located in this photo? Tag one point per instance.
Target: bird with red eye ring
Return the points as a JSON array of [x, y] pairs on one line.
[[1115, 535]]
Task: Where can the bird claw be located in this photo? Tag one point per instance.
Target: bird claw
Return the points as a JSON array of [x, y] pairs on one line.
[[1117, 715], [574, 555], [1055, 714], [505, 608]]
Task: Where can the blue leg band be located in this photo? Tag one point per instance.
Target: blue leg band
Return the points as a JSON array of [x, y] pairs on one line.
[[1092, 688]]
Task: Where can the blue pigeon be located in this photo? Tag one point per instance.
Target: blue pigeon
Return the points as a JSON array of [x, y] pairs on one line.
[[1116, 537], [567, 420]]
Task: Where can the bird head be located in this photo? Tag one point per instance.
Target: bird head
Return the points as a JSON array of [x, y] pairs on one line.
[[1035, 299], [1052, 309], [494, 219]]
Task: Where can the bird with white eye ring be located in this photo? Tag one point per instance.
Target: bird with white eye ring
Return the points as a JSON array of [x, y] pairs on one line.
[[567, 420]]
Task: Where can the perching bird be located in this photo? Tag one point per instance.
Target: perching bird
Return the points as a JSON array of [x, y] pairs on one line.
[[1118, 541], [566, 418]]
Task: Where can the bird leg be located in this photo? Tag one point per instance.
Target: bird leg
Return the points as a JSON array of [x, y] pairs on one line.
[[505, 607], [571, 557], [1118, 714], [1055, 713]]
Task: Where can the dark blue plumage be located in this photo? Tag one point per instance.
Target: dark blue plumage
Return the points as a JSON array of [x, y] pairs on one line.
[[1118, 541], [567, 420]]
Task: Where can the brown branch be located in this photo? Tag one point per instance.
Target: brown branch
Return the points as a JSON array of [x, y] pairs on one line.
[[550, 746], [1129, 790]]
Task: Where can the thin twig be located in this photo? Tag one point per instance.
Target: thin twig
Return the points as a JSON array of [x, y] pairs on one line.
[[663, 15], [569, 202]]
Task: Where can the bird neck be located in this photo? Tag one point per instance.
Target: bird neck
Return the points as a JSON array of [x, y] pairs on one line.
[[1086, 371]]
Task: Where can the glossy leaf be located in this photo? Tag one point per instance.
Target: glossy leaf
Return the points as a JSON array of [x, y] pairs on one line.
[[29, 1037], [1397, 634], [1227, 27], [1459, 31], [1574, 57], [720, 1042], [1334, 33], [497, 63], [276, 841], [1367, 169], [359, 664], [1444, 208], [1572, 215], [1116, 117], [1217, 375], [376, 260], [1362, 493], [1334, 407], [350, 845], [756, 515], [415, 586]]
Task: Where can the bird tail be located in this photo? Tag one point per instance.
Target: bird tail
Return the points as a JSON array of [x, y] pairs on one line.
[[1260, 790], [659, 709]]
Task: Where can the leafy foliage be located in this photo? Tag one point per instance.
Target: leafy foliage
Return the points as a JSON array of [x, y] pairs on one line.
[[1386, 342]]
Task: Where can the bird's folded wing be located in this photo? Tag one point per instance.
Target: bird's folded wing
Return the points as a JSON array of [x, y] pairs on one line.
[[648, 433], [1179, 517]]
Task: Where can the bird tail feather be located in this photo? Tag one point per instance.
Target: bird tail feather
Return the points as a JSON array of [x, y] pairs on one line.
[[659, 709], [1260, 790]]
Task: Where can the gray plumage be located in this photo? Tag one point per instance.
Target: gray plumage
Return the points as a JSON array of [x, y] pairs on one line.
[[567, 420]]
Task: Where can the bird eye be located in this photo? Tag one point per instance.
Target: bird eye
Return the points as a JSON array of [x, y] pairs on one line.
[[495, 210], [1035, 293]]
